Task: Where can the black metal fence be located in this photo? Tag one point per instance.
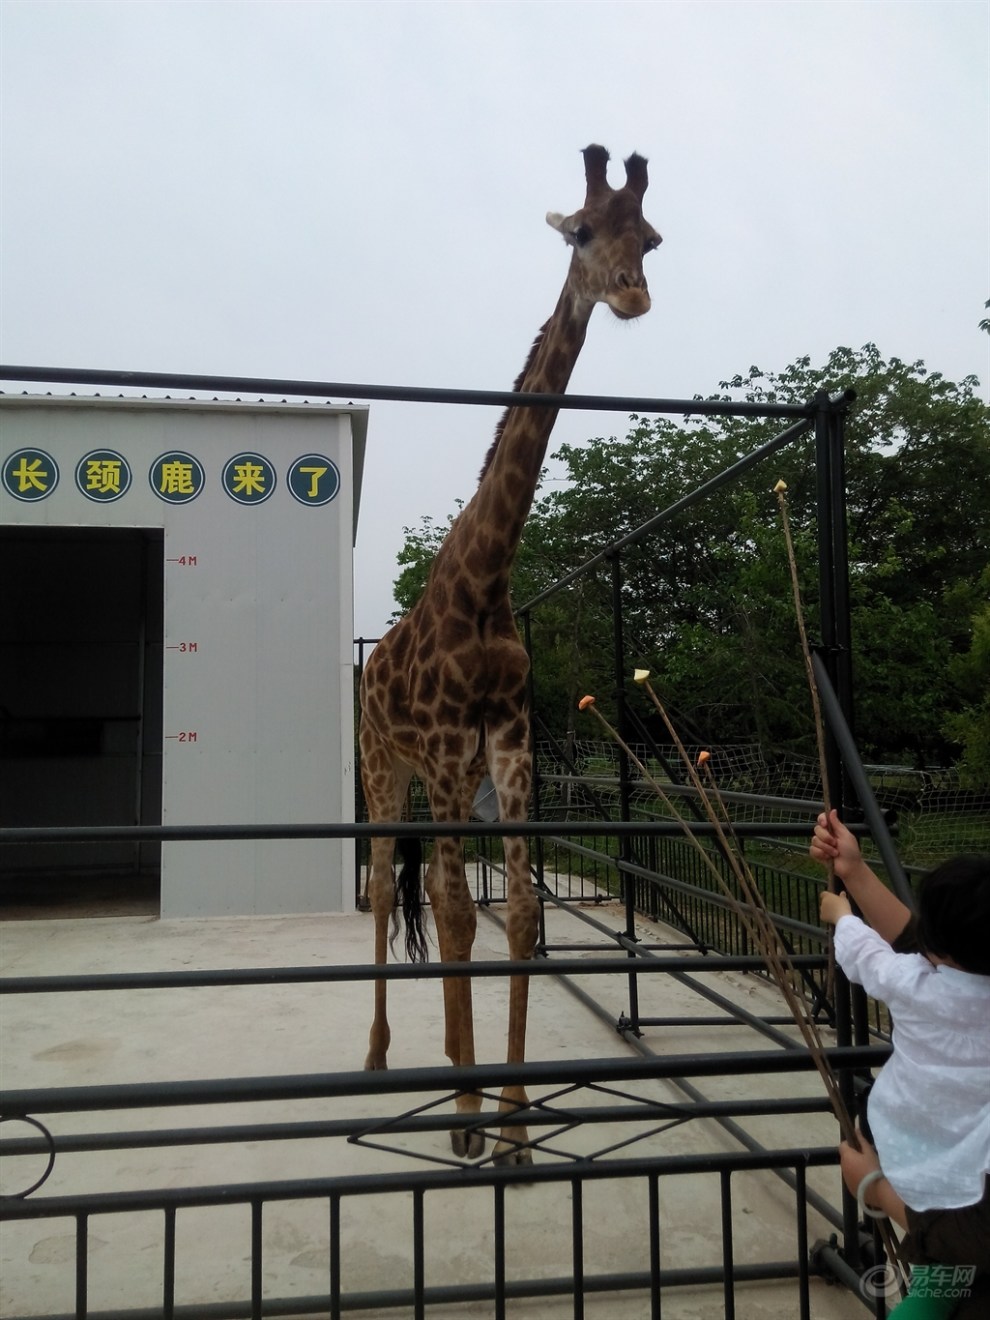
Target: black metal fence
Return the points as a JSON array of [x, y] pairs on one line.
[[562, 1123], [411, 1194], [582, 1095], [652, 873]]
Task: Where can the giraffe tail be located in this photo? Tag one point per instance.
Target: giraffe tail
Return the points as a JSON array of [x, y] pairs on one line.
[[409, 898]]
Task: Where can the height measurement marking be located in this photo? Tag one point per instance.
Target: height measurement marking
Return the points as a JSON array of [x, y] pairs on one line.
[[186, 648], [184, 561], [187, 736]]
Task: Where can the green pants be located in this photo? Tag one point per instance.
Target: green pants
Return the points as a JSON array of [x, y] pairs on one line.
[[924, 1308]]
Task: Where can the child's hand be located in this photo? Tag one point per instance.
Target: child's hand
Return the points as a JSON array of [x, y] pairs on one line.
[[833, 906], [832, 842]]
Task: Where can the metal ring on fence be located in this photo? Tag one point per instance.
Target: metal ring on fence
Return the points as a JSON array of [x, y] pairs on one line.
[[49, 1141]]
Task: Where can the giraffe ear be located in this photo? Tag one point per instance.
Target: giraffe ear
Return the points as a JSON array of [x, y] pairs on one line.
[[574, 231]]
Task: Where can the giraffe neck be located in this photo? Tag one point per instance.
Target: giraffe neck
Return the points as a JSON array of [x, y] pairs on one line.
[[487, 532]]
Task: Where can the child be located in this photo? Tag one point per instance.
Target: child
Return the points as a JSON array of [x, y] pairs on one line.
[[929, 1109]]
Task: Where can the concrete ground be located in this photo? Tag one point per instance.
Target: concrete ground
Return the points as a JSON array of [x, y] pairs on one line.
[[139, 1036]]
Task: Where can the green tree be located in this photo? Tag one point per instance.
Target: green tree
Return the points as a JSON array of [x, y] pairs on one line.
[[970, 725], [414, 560]]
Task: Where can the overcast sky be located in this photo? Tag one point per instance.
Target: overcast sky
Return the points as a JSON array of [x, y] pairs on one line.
[[356, 193]]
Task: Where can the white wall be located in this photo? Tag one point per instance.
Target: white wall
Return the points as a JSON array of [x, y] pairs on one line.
[[257, 694]]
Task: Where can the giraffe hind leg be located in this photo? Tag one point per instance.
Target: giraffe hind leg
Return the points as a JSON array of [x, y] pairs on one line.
[[380, 893], [385, 781], [455, 918]]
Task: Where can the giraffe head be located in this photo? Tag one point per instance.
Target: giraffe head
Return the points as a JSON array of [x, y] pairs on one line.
[[610, 237]]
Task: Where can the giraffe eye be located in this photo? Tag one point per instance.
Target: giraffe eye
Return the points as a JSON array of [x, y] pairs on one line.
[[581, 235], [651, 244]]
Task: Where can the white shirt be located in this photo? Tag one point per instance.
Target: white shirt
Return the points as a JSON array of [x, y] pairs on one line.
[[929, 1109]]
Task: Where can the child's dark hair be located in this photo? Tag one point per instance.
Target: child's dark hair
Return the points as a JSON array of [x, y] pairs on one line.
[[954, 916]]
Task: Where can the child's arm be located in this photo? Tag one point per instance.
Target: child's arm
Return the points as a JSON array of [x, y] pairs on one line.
[[885, 912], [856, 1164]]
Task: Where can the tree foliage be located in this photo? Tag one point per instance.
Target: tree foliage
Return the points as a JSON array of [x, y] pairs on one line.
[[970, 724], [705, 598]]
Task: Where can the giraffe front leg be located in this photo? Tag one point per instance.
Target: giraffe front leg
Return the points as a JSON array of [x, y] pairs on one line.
[[522, 928], [466, 1143]]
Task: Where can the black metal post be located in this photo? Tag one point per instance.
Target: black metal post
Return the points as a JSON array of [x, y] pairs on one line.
[[834, 680], [622, 723], [835, 634], [827, 604], [361, 901], [840, 557], [536, 788], [843, 647]]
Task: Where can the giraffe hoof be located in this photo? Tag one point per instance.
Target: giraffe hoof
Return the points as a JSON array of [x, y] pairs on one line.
[[467, 1145], [375, 1063], [509, 1155]]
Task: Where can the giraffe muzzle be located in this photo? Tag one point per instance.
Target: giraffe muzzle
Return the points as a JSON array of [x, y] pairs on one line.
[[630, 302]]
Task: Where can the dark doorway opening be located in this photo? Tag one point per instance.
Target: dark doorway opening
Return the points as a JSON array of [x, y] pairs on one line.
[[81, 673]]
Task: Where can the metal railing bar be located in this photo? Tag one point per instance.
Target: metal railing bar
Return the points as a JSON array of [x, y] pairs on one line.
[[310, 1086], [257, 1248], [428, 829], [264, 976], [457, 1294], [82, 1264], [335, 1281], [168, 1281], [158, 1199], [419, 1264], [725, 1020], [654, 1230], [728, 1291], [163, 380], [577, 1246], [498, 1247], [801, 1218], [406, 1124]]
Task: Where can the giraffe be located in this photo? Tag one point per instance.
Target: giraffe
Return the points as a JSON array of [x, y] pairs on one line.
[[443, 695]]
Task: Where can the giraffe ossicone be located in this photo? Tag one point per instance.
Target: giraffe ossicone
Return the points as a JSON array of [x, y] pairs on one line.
[[444, 694]]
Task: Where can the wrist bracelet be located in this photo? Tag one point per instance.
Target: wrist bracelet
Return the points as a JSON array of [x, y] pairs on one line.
[[873, 1176]]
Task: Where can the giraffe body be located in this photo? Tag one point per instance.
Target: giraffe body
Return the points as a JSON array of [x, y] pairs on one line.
[[443, 695]]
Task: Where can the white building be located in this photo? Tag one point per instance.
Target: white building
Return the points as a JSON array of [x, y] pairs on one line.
[[176, 638]]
